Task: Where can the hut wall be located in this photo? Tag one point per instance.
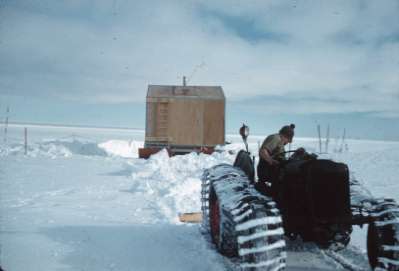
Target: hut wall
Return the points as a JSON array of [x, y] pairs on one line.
[[185, 121], [214, 123]]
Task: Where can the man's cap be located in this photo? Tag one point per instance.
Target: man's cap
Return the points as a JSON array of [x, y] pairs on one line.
[[288, 131]]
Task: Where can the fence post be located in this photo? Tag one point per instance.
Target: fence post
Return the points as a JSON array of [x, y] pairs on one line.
[[319, 132], [343, 141], [327, 137], [6, 124], [26, 140]]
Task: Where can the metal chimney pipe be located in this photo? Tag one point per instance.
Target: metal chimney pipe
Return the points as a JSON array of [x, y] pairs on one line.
[[184, 81]]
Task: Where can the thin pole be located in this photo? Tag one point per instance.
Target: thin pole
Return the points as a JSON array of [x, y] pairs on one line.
[[26, 140], [318, 130], [341, 148], [327, 137], [6, 125]]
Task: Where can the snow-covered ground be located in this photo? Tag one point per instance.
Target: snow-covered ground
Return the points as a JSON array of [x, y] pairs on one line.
[[82, 200]]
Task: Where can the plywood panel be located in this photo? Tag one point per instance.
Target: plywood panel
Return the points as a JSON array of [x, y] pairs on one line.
[[150, 119], [186, 120], [214, 123]]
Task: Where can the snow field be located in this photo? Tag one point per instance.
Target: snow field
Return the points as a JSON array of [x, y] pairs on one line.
[[77, 203], [81, 200]]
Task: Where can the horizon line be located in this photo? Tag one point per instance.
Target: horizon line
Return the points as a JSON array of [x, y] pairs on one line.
[[58, 125]]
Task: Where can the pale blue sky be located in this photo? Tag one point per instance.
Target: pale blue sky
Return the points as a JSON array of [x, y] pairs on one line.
[[307, 62]]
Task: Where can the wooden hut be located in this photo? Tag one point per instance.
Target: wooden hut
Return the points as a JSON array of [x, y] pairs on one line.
[[184, 119]]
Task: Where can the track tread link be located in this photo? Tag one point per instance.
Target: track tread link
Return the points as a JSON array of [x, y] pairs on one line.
[[251, 226], [383, 235]]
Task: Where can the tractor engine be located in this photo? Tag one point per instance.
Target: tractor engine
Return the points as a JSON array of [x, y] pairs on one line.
[[314, 199]]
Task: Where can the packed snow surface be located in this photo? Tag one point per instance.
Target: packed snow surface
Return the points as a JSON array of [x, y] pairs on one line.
[[80, 199]]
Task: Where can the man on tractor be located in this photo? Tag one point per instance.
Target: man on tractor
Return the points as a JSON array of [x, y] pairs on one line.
[[271, 154]]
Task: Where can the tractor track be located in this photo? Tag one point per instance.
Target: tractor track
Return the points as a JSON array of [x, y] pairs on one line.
[[347, 259], [334, 259], [342, 260], [308, 256]]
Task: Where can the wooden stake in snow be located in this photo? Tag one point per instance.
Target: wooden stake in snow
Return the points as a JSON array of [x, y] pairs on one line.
[[341, 148], [327, 137], [6, 124], [26, 140], [318, 130]]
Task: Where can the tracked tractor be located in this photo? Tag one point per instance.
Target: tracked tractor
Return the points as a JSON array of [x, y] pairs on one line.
[[313, 199]]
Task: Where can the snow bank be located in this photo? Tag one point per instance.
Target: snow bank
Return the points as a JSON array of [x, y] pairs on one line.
[[172, 185], [55, 148], [123, 148], [68, 147]]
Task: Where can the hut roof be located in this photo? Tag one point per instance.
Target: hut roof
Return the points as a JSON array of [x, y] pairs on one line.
[[208, 92]]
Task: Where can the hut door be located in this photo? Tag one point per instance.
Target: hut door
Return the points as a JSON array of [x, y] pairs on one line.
[[162, 119]]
